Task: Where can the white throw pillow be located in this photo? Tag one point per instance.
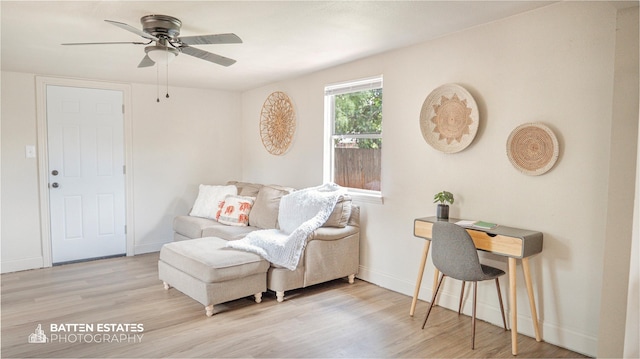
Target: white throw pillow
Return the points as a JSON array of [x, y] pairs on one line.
[[209, 197], [305, 204]]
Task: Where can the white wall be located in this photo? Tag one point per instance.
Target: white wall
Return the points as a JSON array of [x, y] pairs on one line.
[[629, 71], [20, 242], [620, 206], [179, 143], [632, 325], [191, 138], [554, 65]]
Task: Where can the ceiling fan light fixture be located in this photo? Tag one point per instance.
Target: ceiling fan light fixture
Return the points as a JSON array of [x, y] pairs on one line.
[[161, 54]]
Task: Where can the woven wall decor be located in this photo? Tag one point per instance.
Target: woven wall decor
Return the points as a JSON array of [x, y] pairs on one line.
[[449, 118], [532, 148], [277, 123]]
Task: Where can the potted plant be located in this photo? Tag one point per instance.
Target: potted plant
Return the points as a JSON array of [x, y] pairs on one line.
[[443, 199]]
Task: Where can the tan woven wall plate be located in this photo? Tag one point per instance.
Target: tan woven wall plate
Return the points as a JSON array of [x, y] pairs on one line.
[[532, 148], [277, 123], [449, 118]]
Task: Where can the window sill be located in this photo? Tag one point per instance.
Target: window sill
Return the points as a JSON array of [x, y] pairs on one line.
[[375, 198]]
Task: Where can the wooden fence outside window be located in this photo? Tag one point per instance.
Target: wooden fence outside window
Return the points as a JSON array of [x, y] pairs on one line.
[[357, 168]]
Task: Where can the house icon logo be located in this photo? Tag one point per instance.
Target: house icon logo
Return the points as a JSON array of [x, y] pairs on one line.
[[38, 336]]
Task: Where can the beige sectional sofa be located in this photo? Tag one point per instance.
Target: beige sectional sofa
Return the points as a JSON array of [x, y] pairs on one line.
[[331, 252]]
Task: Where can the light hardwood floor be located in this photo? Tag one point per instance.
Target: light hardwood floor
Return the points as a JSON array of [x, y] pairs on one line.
[[330, 320]]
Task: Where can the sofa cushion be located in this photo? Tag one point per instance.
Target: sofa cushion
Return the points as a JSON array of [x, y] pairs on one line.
[[193, 227], [264, 213], [208, 260], [209, 197], [341, 213], [235, 210], [230, 233], [246, 188]]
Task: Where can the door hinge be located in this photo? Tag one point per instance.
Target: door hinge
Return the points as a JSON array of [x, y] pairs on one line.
[[123, 109], [125, 229], [124, 170]]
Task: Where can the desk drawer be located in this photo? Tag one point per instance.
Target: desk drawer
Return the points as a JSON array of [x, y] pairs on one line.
[[499, 244], [422, 229]]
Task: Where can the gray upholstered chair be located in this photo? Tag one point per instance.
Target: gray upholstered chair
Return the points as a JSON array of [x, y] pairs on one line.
[[455, 256]]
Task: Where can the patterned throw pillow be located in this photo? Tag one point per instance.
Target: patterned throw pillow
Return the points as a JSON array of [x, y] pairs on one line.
[[234, 211]]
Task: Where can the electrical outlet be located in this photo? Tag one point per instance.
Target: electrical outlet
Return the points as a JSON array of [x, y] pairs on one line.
[[30, 151]]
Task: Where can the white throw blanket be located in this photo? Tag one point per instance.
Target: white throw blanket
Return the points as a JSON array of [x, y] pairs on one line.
[[301, 212]]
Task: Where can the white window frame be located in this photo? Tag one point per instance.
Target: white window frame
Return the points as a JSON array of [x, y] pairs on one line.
[[329, 118]]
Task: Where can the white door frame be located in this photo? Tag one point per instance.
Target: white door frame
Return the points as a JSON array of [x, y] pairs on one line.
[[43, 155]]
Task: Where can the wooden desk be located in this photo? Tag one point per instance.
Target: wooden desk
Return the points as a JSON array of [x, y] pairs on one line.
[[510, 242]]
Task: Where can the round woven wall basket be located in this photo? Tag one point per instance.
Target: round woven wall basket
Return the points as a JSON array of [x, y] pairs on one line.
[[449, 118], [532, 148], [277, 123]]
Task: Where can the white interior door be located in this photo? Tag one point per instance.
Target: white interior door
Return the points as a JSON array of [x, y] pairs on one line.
[[86, 173]]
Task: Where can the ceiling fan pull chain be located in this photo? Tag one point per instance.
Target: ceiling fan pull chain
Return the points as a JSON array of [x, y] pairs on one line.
[[167, 73], [157, 83]]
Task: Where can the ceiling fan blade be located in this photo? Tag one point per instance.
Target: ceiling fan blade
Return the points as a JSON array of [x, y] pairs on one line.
[[130, 28], [146, 62], [107, 43], [207, 56], [211, 39]]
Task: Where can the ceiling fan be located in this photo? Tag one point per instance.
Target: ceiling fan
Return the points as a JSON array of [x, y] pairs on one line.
[[164, 30]]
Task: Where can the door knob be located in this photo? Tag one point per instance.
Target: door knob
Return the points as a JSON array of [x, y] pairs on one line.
[[55, 185], [54, 172]]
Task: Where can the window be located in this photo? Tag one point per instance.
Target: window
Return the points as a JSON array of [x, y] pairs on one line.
[[353, 135]]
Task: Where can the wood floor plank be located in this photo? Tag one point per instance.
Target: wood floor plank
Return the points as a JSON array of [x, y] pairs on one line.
[[330, 320]]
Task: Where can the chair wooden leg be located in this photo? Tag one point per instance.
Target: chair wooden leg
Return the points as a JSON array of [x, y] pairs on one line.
[[461, 296], [433, 299], [504, 320], [473, 316]]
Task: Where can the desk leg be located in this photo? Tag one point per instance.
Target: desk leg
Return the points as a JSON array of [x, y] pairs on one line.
[[532, 299], [514, 306], [423, 262]]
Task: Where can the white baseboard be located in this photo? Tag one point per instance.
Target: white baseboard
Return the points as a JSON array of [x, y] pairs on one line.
[[551, 332], [17, 265], [148, 247]]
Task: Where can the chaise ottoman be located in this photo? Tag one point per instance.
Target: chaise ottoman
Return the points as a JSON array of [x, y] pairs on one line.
[[210, 273]]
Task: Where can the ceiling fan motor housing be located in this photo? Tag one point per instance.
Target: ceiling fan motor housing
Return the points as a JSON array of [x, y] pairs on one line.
[[161, 26]]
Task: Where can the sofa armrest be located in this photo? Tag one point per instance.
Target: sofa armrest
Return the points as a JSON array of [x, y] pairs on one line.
[[332, 233], [354, 219], [335, 233]]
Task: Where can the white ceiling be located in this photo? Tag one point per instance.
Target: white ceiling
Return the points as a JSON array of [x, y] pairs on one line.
[[282, 39]]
